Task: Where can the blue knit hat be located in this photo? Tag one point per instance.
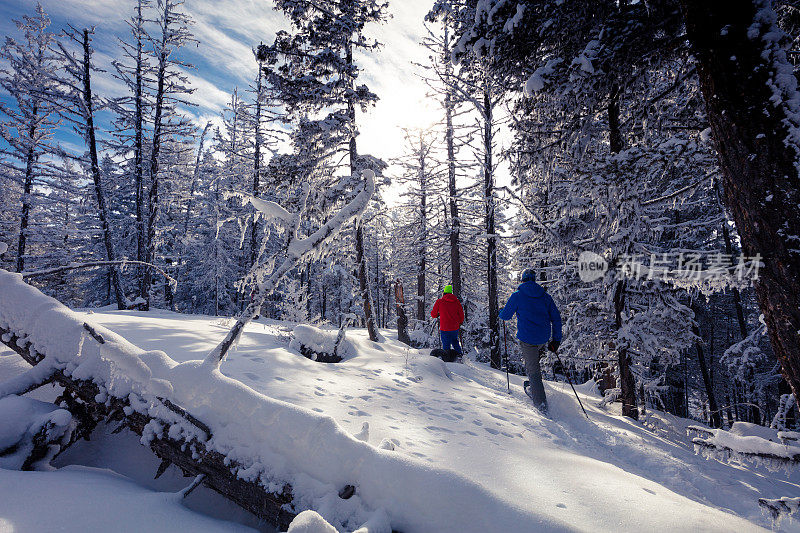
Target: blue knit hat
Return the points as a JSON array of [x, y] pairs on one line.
[[528, 275]]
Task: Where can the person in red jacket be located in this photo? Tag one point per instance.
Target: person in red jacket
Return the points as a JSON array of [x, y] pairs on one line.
[[451, 315]]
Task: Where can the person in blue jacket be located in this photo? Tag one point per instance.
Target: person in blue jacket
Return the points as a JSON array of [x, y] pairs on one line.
[[538, 321]]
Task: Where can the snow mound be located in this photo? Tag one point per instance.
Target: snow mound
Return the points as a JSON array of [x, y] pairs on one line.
[[21, 419], [310, 522], [315, 342]]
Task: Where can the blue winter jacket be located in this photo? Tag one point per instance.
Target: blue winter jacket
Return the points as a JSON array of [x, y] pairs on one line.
[[536, 312]]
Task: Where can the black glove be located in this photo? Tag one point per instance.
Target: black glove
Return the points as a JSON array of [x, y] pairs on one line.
[[553, 346]]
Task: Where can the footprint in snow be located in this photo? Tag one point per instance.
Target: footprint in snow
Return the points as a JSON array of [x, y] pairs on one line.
[[253, 377], [437, 428], [561, 506]]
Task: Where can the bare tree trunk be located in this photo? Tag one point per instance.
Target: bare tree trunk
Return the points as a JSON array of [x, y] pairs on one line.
[[455, 223], [363, 280], [26, 194], [138, 156], [152, 213], [256, 165], [423, 235], [491, 239], [91, 140], [627, 381], [402, 319], [757, 153], [716, 418]]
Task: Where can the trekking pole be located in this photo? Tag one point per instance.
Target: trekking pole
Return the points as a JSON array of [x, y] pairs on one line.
[[566, 371], [505, 344]]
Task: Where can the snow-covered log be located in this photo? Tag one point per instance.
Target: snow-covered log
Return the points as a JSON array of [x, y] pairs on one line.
[[173, 434], [780, 507], [109, 380], [746, 445]]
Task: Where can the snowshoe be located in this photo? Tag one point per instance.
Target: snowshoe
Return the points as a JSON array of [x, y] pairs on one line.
[[526, 385], [448, 356], [438, 352]]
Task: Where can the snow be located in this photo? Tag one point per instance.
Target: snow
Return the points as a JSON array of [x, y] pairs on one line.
[[747, 438], [446, 425], [446, 447], [782, 81], [20, 419], [87, 499], [320, 341], [584, 59], [270, 210], [512, 23], [538, 79], [310, 522]]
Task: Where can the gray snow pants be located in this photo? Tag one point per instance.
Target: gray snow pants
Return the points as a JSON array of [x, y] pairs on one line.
[[530, 352]]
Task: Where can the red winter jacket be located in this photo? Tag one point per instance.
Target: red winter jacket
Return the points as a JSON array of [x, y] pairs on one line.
[[449, 311]]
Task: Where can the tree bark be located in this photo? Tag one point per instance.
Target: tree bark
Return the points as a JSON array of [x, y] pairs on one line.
[[495, 358], [758, 154], [91, 140], [256, 165], [363, 280], [152, 212], [455, 223], [627, 381], [138, 156], [423, 235], [26, 192], [402, 319], [715, 416]]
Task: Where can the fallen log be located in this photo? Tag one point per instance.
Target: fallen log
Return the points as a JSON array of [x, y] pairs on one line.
[[91, 405], [779, 507]]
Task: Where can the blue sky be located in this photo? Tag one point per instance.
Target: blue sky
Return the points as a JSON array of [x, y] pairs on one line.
[[227, 29]]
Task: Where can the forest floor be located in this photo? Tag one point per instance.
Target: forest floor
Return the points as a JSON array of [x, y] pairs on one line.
[[566, 473]]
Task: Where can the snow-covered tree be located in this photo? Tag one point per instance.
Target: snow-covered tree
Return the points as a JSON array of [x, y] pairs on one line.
[[29, 119]]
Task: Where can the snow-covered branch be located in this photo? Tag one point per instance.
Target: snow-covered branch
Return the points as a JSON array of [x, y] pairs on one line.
[[296, 250]]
